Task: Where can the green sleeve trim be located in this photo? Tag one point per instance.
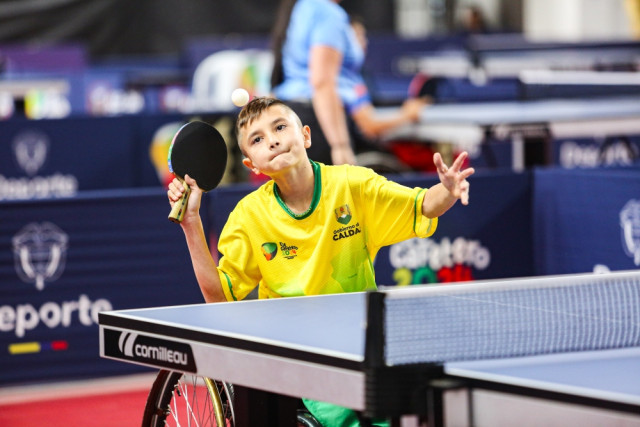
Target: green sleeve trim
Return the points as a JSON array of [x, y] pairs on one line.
[[229, 286], [415, 210]]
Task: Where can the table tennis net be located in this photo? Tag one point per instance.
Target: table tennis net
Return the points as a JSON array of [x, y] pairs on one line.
[[516, 318]]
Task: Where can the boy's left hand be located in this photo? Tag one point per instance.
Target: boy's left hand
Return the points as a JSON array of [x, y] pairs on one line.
[[454, 178]]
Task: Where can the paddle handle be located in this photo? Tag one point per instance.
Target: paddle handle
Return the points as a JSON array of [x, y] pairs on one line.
[[180, 207]]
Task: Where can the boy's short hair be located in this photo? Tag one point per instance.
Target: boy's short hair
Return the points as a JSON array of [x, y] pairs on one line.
[[255, 108]]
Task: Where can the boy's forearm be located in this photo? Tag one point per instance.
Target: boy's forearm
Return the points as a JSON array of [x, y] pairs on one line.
[[437, 201], [204, 266]]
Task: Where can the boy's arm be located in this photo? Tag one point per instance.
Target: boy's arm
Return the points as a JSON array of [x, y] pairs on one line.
[[204, 265], [453, 186]]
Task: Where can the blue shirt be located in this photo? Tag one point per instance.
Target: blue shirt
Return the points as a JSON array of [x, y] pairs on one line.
[[321, 23]]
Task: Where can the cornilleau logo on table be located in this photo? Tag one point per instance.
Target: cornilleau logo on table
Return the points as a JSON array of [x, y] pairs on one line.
[[149, 350], [125, 343]]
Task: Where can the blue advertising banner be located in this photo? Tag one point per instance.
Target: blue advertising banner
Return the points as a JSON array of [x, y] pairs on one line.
[[488, 239], [586, 220], [63, 261], [41, 159], [595, 152]]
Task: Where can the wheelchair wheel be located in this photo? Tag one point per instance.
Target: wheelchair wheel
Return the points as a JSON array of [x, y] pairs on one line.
[[178, 399], [305, 419]]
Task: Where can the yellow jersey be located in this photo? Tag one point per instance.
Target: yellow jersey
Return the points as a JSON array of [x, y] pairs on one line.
[[330, 248]]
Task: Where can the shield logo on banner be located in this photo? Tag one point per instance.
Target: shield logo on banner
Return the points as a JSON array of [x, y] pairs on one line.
[[40, 252], [30, 149]]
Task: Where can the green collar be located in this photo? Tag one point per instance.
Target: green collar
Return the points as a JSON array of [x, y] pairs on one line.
[[317, 190]]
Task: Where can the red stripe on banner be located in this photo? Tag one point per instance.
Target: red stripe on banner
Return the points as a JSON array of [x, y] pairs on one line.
[[59, 345]]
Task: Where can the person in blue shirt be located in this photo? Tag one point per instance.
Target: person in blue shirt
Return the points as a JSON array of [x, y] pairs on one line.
[[317, 71]]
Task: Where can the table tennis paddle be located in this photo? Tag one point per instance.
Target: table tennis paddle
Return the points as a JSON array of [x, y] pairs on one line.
[[199, 150]]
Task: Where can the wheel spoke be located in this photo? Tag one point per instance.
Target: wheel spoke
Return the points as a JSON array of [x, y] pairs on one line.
[[178, 400]]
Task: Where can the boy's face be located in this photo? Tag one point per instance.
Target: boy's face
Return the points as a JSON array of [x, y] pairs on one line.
[[275, 141]]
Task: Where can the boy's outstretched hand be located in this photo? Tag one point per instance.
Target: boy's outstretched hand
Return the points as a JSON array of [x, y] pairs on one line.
[[454, 178]]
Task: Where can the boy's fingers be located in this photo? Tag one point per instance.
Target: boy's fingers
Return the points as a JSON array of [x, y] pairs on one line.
[[457, 164], [439, 163], [437, 160], [464, 195], [464, 199], [190, 182], [467, 173]]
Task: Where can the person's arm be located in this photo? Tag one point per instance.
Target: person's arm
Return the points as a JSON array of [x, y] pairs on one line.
[[324, 68], [373, 127], [204, 265], [453, 186]]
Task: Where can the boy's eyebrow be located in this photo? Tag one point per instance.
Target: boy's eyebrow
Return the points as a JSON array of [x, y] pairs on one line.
[[273, 122]]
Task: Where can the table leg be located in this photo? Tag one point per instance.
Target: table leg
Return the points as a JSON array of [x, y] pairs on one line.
[[264, 409]]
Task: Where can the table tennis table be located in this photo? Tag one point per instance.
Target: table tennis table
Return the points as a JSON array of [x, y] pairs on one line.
[[501, 58], [528, 125], [477, 353]]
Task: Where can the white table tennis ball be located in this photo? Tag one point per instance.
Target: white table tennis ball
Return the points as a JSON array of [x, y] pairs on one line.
[[240, 97]]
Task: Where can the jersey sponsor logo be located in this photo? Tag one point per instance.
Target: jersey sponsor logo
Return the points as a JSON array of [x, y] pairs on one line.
[[344, 232], [289, 252], [269, 250], [149, 350], [343, 214]]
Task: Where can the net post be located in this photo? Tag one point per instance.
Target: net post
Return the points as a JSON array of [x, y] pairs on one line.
[[374, 334], [391, 390]]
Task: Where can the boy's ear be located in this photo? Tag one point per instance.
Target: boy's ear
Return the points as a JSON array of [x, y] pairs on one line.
[[249, 164], [306, 133]]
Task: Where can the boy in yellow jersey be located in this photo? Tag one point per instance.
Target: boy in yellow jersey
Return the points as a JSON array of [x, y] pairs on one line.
[[312, 229]]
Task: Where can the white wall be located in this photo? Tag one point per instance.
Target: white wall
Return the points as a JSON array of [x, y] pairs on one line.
[[542, 19], [576, 20], [414, 18]]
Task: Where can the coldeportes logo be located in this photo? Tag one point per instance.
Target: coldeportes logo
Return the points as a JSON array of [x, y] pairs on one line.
[[40, 251], [31, 149], [25, 317], [148, 350], [269, 250]]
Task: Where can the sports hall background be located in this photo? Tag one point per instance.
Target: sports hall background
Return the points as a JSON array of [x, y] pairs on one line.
[[91, 92]]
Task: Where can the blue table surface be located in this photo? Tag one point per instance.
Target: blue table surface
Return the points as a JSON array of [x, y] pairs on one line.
[[326, 324], [606, 374], [490, 113]]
